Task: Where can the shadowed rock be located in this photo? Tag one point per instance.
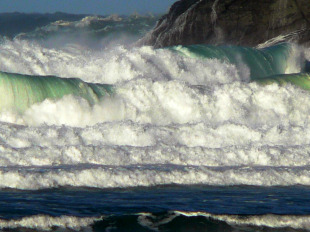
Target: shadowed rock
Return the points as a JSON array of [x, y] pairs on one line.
[[237, 22]]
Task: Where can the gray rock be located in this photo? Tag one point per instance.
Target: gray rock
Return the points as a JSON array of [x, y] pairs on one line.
[[236, 22]]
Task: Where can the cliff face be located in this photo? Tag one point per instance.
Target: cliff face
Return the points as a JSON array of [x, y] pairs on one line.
[[238, 22]]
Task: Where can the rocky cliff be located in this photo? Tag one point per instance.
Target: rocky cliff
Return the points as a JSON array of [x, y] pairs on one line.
[[238, 22]]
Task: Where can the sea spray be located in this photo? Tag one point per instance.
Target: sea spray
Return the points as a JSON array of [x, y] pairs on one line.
[[113, 65]]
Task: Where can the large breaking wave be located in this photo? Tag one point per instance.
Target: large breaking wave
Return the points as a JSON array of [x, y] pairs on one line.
[[172, 119], [19, 92], [261, 63]]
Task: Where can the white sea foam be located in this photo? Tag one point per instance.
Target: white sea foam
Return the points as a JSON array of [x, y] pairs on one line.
[[173, 102], [149, 175], [272, 221], [65, 223], [111, 65], [274, 156], [172, 120], [42, 222]]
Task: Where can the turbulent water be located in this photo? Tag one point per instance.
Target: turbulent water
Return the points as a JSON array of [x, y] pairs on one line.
[[125, 138]]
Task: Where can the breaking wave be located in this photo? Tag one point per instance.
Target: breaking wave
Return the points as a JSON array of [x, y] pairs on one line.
[[168, 221], [172, 119]]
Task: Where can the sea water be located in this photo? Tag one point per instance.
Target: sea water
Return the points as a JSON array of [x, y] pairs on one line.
[[188, 138]]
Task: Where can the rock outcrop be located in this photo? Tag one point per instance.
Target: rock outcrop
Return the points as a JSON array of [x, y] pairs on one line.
[[238, 22]]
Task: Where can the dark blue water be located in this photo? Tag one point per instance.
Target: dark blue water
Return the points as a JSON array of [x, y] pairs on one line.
[[241, 200]]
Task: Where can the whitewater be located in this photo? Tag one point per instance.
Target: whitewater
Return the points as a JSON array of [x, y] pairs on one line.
[[125, 118]]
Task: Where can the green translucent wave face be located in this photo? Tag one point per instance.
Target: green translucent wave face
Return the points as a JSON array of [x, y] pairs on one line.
[[18, 92], [299, 79], [261, 62], [266, 65]]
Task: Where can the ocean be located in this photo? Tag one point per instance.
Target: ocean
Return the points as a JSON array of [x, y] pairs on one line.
[[99, 134]]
